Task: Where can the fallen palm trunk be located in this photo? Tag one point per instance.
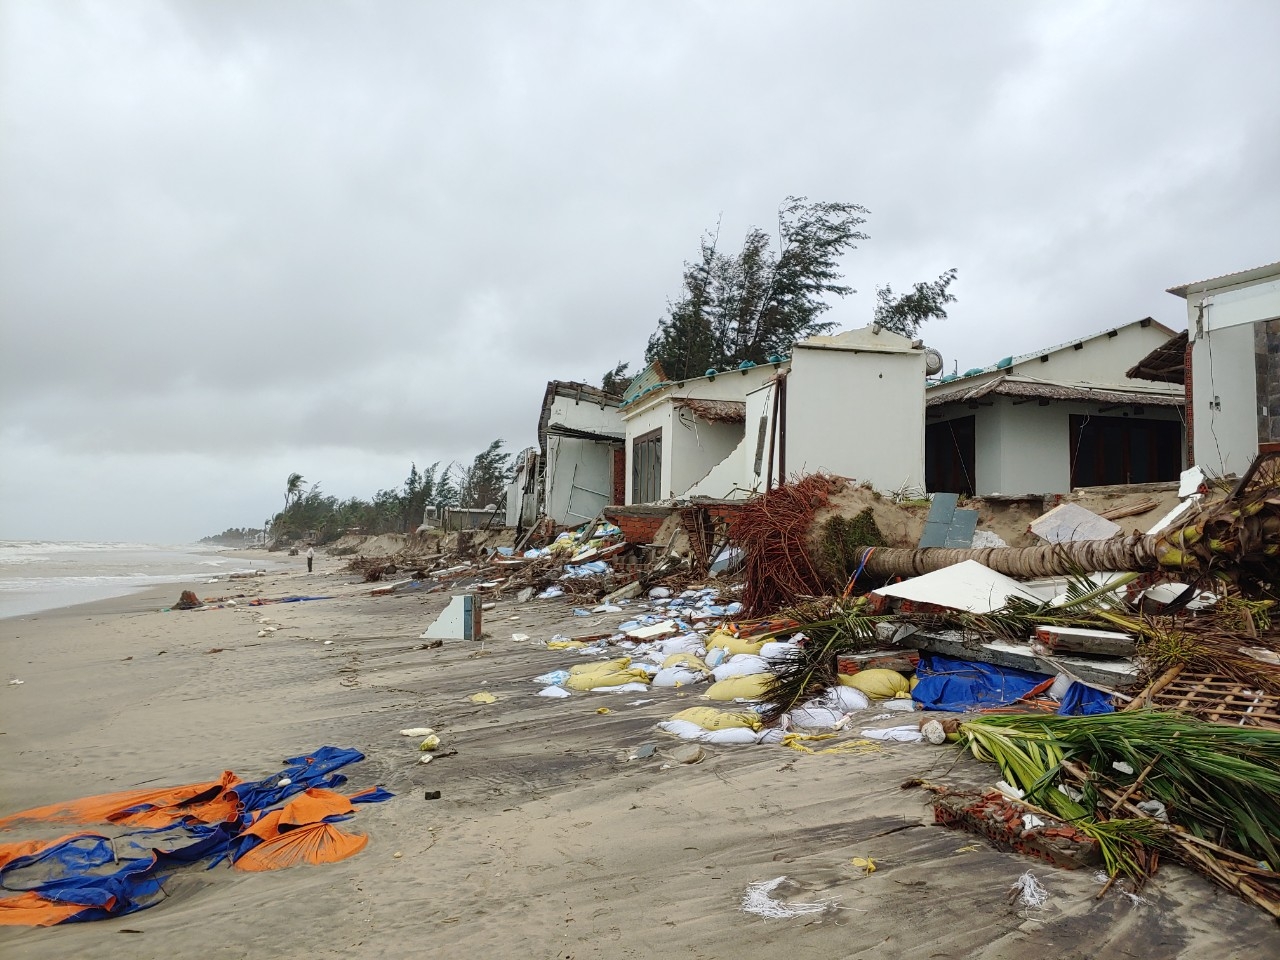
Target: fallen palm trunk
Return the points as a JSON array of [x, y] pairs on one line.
[[1136, 554], [1235, 537]]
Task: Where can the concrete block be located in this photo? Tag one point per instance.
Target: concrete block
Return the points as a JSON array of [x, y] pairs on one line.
[[461, 620]]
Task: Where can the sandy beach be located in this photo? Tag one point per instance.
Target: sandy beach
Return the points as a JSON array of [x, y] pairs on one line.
[[545, 841]]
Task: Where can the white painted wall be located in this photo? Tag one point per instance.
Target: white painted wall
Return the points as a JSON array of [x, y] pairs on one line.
[[1224, 399], [688, 456], [1026, 448], [515, 496], [579, 479], [735, 476], [696, 448], [654, 417], [1224, 387], [579, 473], [857, 414], [1099, 360], [585, 414]]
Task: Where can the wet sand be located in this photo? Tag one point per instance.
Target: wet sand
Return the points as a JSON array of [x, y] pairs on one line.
[[545, 842]]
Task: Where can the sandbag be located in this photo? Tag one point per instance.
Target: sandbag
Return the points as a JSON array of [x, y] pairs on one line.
[[777, 650], [734, 736], [684, 729], [686, 660], [847, 699], [741, 665], [593, 681], [740, 688], [709, 718], [879, 683], [734, 644], [688, 643], [600, 666], [815, 716], [676, 677]]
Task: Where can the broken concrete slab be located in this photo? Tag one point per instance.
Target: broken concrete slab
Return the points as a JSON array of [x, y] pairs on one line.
[[1069, 522], [460, 620], [1108, 674], [1098, 643], [966, 586]]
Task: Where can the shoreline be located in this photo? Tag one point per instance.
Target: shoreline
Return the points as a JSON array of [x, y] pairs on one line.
[[155, 592]]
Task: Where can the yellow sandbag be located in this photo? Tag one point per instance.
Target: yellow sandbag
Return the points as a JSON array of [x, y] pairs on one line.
[[683, 660], [750, 687], [709, 718], [914, 681], [591, 681], [565, 644], [735, 644], [877, 683], [600, 666]]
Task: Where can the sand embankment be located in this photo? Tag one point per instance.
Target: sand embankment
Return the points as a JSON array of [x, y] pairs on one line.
[[545, 841]]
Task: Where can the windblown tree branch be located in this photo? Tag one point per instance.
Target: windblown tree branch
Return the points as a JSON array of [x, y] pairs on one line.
[[906, 313]]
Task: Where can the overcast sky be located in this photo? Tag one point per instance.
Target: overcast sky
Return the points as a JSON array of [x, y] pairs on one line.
[[239, 239]]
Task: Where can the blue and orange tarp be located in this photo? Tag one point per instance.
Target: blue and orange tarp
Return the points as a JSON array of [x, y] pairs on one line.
[[280, 821]]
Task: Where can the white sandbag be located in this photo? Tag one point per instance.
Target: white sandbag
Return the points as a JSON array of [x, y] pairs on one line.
[[676, 677], [557, 692], [684, 729], [815, 716], [741, 665], [740, 735], [908, 734], [845, 699], [777, 650], [689, 643], [636, 687]]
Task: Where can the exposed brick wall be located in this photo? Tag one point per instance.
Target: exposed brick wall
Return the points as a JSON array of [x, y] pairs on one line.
[[620, 475], [638, 524]]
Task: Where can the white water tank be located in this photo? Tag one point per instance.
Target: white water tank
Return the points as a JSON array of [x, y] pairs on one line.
[[932, 362]]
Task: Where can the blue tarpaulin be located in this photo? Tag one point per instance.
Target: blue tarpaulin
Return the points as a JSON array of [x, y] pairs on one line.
[[960, 685]]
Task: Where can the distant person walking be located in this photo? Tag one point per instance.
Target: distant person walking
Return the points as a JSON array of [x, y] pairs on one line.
[[311, 558]]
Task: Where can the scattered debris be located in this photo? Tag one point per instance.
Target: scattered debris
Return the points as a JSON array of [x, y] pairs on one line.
[[757, 900]]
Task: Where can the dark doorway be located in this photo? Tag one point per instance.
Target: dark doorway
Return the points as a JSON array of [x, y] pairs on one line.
[[1108, 450], [949, 456]]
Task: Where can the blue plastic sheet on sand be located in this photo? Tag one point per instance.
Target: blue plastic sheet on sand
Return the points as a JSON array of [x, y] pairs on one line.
[[114, 876], [955, 686]]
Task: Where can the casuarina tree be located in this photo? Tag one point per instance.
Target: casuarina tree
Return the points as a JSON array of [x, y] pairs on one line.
[[925, 301], [758, 302]]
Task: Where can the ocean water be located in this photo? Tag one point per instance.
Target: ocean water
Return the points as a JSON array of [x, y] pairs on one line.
[[38, 575]]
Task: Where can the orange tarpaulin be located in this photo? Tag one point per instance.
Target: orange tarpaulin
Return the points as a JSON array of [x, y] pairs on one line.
[[313, 843], [33, 910], [296, 833], [206, 802]]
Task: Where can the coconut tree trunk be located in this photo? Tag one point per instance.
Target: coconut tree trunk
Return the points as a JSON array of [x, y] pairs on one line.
[[1051, 560], [1226, 538]]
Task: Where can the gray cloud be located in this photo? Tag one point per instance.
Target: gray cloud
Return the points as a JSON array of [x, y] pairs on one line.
[[276, 236]]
